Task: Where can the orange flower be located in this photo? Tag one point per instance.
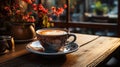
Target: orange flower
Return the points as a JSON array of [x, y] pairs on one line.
[[53, 9], [17, 13], [43, 13], [34, 6], [28, 1], [7, 8], [65, 6], [49, 19], [31, 19]]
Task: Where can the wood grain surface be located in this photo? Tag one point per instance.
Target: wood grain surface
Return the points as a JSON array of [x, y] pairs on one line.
[[92, 50]]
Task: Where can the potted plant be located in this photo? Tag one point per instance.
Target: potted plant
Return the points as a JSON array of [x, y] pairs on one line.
[[22, 20]]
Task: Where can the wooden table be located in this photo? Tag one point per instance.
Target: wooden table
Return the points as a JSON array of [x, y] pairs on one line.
[[92, 51]]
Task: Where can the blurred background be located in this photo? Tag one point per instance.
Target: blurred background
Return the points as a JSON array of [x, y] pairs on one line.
[[80, 11]]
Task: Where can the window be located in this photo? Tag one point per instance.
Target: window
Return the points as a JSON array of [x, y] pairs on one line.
[[80, 11]]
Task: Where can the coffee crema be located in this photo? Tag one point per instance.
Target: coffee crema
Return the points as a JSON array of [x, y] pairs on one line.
[[52, 32]]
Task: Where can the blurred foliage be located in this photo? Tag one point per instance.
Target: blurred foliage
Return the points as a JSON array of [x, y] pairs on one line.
[[98, 6]]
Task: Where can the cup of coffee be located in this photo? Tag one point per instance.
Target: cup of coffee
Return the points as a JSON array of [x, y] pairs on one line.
[[53, 39]]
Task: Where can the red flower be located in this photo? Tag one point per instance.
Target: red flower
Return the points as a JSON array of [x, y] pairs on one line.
[[53, 9], [42, 9], [7, 8], [28, 1], [34, 6], [33, 0], [31, 19], [49, 19], [17, 12], [25, 17], [65, 6]]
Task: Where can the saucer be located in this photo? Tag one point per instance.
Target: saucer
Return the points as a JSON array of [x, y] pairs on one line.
[[36, 47]]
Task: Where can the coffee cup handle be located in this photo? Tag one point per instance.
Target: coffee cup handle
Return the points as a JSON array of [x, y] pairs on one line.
[[74, 38]]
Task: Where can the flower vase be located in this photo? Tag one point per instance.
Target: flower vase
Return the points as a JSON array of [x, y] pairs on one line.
[[22, 31]]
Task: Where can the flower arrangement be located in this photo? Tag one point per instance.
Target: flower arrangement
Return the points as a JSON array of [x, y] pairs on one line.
[[17, 13], [45, 14]]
